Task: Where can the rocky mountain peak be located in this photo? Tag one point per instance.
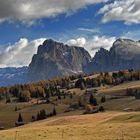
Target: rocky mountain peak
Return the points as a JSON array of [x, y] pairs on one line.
[[126, 48], [101, 51], [123, 40], [124, 54], [56, 59]]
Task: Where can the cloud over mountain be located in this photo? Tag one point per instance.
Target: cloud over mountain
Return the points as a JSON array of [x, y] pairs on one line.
[[20, 53], [77, 42], [98, 42], [93, 44]]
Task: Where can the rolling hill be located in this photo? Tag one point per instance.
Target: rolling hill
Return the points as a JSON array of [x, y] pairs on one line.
[[102, 126]]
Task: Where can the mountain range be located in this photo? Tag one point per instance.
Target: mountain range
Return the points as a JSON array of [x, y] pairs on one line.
[[11, 76], [124, 54], [55, 59]]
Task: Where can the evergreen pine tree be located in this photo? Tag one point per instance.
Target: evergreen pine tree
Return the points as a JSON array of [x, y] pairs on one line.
[[101, 109], [95, 102], [92, 100], [38, 116], [79, 103], [103, 99], [82, 86], [16, 109], [20, 119], [54, 112]]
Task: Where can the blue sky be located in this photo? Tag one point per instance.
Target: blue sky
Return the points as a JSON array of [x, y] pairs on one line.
[[88, 23], [59, 27]]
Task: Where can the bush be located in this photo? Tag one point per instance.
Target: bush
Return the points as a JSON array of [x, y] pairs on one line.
[[41, 115], [101, 109], [92, 100], [8, 100], [80, 83], [24, 96], [130, 92], [88, 109], [54, 112], [33, 118], [103, 99], [16, 109]]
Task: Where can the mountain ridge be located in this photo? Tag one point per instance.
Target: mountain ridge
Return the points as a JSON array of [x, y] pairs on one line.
[[54, 59], [124, 54], [12, 75]]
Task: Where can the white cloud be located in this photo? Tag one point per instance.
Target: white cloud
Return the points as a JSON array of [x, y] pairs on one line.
[[98, 42], [135, 35], [94, 44], [28, 11], [125, 10], [77, 42], [97, 30], [20, 53]]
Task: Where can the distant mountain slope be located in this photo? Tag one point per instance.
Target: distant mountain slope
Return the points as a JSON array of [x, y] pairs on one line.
[[124, 54], [56, 59], [10, 76]]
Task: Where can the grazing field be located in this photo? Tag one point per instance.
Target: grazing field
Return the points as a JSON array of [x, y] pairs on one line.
[[70, 105], [8, 115], [100, 126], [120, 88]]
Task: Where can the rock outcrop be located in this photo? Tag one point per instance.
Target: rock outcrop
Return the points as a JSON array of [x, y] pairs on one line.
[[55, 59]]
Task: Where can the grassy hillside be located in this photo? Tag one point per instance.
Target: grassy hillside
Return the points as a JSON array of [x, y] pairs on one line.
[[120, 88], [8, 115], [116, 101], [71, 99], [101, 126]]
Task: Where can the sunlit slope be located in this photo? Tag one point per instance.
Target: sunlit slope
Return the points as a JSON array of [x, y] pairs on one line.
[[101, 126]]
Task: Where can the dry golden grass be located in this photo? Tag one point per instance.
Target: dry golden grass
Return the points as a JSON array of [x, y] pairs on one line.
[[77, 91], [78, 127], [120, 88], [8, 115], [110, 89], [102, 126]]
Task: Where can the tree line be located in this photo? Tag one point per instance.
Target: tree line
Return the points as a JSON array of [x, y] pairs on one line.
[[47, 88]]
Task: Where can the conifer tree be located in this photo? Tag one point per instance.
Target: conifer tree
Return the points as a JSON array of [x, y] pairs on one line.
[[103, 99], [20, 119], [92, 100], [54, 112]]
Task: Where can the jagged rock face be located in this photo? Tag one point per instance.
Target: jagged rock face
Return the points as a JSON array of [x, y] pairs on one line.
[[124, 54], [99, 62], [56, 59], [125, 49]]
